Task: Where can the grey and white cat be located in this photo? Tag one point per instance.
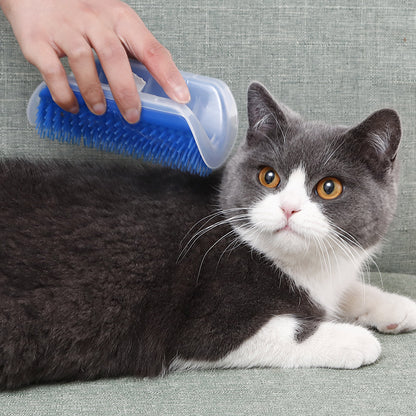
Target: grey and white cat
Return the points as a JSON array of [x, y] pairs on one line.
[[115, 271]]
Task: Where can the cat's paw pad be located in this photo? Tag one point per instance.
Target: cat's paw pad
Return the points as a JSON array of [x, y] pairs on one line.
[[350, 347], [395, 314]]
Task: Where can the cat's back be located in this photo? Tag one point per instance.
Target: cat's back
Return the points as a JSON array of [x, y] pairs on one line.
[[80, 183], [45, 184], [69, 226]]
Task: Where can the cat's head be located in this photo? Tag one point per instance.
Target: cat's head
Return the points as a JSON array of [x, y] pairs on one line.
[[295, 185]]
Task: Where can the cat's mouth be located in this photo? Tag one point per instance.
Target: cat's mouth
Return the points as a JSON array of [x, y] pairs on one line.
[[284, 228], [287, 229]]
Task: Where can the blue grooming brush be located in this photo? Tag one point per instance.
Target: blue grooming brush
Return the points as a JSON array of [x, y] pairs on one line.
[[196, 137]]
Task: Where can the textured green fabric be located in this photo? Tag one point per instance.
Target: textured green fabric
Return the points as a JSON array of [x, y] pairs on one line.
[[385, 388], [331, 60]]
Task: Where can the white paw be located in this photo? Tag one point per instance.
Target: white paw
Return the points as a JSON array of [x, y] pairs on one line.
[[345, 346], [392, 314]]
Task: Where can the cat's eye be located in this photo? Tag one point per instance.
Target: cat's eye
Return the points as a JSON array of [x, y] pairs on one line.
[[329, 188], [268, 177]]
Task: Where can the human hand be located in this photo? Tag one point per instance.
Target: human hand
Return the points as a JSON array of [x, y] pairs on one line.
[[48, 30]]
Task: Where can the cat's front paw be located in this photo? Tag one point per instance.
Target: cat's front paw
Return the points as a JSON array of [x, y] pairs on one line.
[[392, 314], [344, 346]]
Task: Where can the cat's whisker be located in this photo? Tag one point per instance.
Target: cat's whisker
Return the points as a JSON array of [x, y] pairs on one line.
[[369, 256], [346, 235], [206, 219], [197, 236], [348, 242], [323, 254], [322, 258], [349, 254], [345, 248], [221, 213], [202, 231], [372, 261], [235, 243], [208, 251], [354, 253], [218, 212], [335, 257], [309, 242]]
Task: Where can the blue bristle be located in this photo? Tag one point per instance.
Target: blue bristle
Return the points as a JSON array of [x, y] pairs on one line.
[[171, 147]]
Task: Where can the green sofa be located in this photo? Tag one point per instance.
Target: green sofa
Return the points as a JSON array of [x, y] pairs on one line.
[[331, 60]]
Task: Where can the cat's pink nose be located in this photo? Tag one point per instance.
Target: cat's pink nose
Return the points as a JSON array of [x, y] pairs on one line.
[[288, 211]]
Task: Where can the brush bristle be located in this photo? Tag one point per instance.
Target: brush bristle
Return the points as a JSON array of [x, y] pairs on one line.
[[175, 148]]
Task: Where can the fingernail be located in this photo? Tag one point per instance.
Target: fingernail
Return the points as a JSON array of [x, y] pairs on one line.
[[181, 94], [180, 91], [98, 109], [132, 115], [74, 109]]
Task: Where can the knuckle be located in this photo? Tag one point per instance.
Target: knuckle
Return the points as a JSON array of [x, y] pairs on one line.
[[110, 50], [155, 50], [31, 46], [123, 12], [79, 52], [52, 71], [127, 97], [29, 53], [87, 10], [87, 13], [64, 100], [92, 93]]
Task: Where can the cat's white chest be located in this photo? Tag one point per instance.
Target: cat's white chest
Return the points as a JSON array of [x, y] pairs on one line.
[[325, 285]]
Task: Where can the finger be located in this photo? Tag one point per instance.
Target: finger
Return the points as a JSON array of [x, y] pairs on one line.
[[118, 71], [139, 41], [81, 61], [158, 61], [53, 73]]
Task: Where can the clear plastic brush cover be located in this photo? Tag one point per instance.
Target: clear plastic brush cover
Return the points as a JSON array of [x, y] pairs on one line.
[[211, 115]]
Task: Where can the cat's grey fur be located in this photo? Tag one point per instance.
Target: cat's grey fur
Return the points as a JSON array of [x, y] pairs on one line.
[[114, 271]]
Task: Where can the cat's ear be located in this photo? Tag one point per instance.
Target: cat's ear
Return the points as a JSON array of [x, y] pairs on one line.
[[265, 116], [377, 139]]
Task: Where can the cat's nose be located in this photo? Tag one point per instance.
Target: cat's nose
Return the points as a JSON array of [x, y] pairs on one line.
[[289, 211]]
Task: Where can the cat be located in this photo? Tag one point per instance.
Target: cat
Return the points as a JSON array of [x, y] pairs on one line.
[[114, 270]]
